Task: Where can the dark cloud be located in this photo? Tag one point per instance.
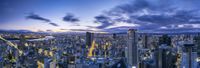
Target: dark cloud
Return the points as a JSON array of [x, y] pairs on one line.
[[124, 29], [49, 30], [105, 21], [178, 30], [70, 18], [37, 17], [154, 14], [53, 24], [63, 29], [79, 30], [118, 29]]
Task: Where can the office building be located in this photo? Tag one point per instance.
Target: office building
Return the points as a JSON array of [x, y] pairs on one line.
[[188, 48], [197, 42], [185, 60], [89, 38], [132, 57], [163, 54], [145, 41]]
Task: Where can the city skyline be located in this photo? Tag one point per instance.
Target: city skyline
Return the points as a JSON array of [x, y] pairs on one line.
[[99, 34]]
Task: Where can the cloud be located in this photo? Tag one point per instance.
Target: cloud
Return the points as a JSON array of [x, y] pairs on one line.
[[53, 24], [118, 29], [70, 18], [179, 30], [78, 30], [153, 14], [178, 17], [63, 29], [37, 17], [105, 21], [49, 30]]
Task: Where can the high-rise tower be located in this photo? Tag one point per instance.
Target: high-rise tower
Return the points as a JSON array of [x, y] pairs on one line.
[[89, 38], [189, 50], [132, 55], [197, 43]]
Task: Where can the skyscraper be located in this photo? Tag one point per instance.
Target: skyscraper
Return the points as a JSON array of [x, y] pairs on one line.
[[145, 41], [114, 36], [164, 57], [197, 42], [132, 58], [189, 50], [185, 60], [89, 38]]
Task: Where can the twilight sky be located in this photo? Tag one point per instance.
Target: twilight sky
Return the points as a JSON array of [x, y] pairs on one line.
[[100, 15]]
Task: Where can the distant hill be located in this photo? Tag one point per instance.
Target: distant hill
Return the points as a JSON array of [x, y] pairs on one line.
[[15, 31]]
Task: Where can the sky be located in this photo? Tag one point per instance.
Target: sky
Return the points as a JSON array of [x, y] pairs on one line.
[[16, 14], [100, 15]]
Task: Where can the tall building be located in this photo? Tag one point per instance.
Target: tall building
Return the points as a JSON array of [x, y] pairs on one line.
[[114, 36], [145, 41], [189, 51], [185, 62], [132, 55], [89, 38], [164, 57], [197, 42]]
